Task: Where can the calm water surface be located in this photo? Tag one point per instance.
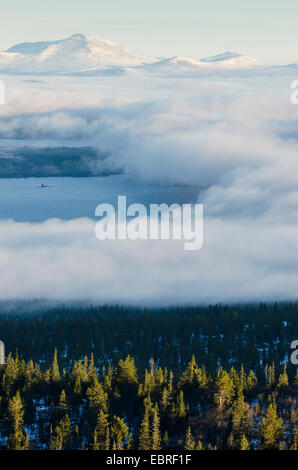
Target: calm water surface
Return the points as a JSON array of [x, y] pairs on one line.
[[69, 198]]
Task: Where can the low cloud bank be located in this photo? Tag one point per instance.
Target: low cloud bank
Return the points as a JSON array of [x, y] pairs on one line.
[[240, 260]]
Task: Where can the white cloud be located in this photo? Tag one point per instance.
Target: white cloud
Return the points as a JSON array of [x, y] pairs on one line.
[[241, 259], [235, 140]]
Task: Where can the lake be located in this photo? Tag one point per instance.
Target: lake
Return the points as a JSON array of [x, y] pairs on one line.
[[68, 198]]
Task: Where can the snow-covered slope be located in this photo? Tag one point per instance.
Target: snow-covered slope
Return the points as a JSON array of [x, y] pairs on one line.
[[175, 64], [81, 54], [185, 66], [231, 59], [72, 54]]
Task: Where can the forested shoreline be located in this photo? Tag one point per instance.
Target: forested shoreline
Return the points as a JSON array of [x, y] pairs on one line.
[[104, 378]]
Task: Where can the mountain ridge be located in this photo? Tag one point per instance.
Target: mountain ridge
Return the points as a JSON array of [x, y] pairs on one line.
[[91, 54]]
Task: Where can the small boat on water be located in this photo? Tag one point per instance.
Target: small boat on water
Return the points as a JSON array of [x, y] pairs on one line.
[[42, 185]]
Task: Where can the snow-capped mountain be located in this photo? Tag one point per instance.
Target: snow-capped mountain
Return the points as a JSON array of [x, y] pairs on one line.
[[73, 54], [81, 54]]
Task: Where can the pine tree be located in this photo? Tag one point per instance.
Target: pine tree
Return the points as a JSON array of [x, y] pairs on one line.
[[78, 377], [166, 440], [170, 384], [61, 438], [65, 426], [63, 405], [101, 436], [107, 378], [224, 389], [189, 442], [189, 375], [270, 374], [165, 400], [199, 446], [180, 407], [283, 380], [144, 436], [130, 442], [271, 428], [156, 439], [242, 379], [56, 441], [202, 378], [251, 380], [244, 444], [77, 390], [18, 440], [240, 420], [11, 374], [126, 372], [149, 382], [107, 441], [97, 398], [55, 374], [92, 375], [119, 432]]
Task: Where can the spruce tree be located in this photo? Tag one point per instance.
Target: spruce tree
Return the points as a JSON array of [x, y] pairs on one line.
[[55, 374], [240, 420], [11, 374], [244, 444], [271, 428], [156, 439], [18, 440], [63, 405], [189, 442], [61, 438], [144, 436], [251, 380], [119, 432], [97, 398], [199, 446], [166, 440], [101, 436], [180, 406], [283, 380]]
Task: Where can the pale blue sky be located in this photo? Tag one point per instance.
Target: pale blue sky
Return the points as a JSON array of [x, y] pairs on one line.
[[266, 29]]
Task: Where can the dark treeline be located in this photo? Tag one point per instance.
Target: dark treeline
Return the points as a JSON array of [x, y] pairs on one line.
[[215, 377], [217, 335], [27, 162]]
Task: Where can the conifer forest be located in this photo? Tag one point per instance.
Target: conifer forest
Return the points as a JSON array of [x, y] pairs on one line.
[[119, 378]]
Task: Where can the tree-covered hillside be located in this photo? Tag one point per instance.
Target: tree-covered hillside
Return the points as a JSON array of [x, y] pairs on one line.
[[122, 378], [217, 335], [116, 408]]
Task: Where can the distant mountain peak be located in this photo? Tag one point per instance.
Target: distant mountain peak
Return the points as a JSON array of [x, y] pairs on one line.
[[223, 56], [77, 36], [232, 59], [72, 54]]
